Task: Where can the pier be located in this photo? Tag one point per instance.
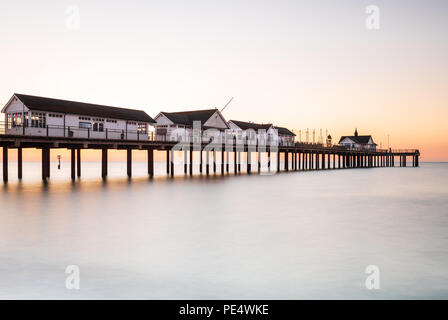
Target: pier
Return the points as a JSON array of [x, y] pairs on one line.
[[297, 157]]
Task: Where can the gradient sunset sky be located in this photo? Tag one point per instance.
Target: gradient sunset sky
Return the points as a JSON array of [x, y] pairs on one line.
[[299, 64]]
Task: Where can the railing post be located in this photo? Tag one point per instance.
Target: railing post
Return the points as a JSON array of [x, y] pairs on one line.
[[47, 130]]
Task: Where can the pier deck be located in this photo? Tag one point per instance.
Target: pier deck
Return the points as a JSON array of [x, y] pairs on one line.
[[297, 157]]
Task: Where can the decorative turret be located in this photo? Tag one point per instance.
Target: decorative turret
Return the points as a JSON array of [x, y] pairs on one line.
[[356, 132], [329, 140]]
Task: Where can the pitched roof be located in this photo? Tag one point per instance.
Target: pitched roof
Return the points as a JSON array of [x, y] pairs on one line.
[[81, 108], [250, 125], [358, 139], [284, 131], [187, 117]]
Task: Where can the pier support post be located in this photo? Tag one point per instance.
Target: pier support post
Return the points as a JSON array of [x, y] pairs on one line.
[[295, 161], [167, 161], [78, 162], [172, 162], [235, 168], [104, 163], [249, 162], [286, 161], [191, 161], [73, 164], [48, 162], [239, 161], [214, 161], [278, 160], [129, 162], [323, 161], [227, 162], [207, 162], [5, 164], [200, 161], [310, 162], [185, 160], [269, 159], [259, 161], [45, 163], [303, 161], [151, 162], [222, 161], [19, 163]]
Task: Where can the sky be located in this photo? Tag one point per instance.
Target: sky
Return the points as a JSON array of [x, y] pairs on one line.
[[299, 64]]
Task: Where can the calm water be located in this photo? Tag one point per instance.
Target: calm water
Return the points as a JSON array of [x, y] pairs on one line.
[[290, 236]]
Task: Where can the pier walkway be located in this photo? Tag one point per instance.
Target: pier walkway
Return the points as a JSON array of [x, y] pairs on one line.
[[296, 157]]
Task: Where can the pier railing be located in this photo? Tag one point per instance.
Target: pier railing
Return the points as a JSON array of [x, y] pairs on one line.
[[75, 132]]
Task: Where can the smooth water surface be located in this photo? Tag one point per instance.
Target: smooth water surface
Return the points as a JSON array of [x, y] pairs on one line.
[[297, 235]]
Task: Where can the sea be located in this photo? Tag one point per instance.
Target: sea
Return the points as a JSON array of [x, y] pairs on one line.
[[376, 233]]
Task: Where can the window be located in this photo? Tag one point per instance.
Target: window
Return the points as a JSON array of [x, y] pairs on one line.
[[85, 125], [98, 127], [38, 120], [142, 128]]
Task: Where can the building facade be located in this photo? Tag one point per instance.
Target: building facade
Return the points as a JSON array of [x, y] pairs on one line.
[[39, 116], [178, 126], [358, 142]]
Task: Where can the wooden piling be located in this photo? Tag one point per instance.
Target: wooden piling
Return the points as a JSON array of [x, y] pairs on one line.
[[128, 162], [200, 161], [5, 164], [185, 160], [235, 168], [222, 162], [78, 162], [172, 162], [73, 164], [167, 161], [104, 163], [278, 161], [191, 161], [207, 162], [19, 163], [151, 162]]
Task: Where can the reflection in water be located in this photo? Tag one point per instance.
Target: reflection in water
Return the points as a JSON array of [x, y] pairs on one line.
[[291, 235]]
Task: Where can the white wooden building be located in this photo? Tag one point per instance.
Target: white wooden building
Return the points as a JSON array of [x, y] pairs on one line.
[[358, 142], [177, 126], [257, 132], [39, 116], [252, 133], [285, 136]]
